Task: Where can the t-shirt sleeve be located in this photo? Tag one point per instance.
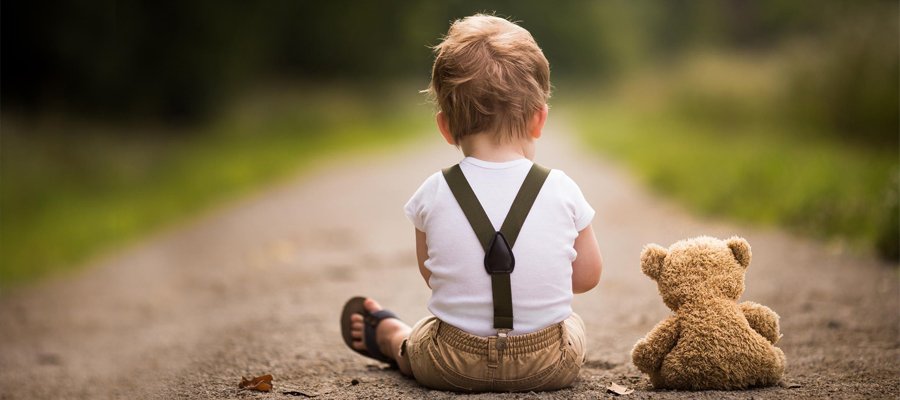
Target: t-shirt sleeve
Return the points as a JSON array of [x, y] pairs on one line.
[[582, 212], [416, 209]]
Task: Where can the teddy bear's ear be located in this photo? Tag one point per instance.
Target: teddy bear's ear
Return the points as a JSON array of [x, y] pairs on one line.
[[741, 250], [652, 259]]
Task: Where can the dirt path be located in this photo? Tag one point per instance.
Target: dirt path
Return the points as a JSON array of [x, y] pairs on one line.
[[257, 287]]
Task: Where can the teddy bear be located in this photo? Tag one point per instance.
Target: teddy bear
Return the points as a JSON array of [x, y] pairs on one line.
[[711, 341]]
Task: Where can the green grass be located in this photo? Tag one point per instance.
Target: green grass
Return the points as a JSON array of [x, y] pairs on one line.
[[70, 190], [753, 168]]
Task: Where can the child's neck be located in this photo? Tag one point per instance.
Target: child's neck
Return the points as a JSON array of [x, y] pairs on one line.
[[485, 147]]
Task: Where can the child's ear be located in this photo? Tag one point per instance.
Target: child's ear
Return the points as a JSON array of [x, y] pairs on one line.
[[741, 250], [444, 126], [652, 259], [538, 121]]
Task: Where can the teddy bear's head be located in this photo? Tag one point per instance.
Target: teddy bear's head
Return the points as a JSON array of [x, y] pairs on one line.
[[696, 269]]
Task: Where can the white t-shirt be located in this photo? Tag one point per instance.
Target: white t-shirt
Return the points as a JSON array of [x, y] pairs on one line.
[[542, 280]]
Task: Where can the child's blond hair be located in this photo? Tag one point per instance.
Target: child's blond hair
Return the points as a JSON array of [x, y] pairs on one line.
[[489, 75]]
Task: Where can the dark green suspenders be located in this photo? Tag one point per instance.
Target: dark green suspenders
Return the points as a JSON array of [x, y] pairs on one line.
[[498, 260]]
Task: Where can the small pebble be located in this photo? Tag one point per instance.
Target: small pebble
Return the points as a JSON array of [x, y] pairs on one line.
[[354, 382]]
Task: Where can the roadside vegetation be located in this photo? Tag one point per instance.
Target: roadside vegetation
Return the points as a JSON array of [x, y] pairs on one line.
[[762, 138], [120, 121], [73, 190]]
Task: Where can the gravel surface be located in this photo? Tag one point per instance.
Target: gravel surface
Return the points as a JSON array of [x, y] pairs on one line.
[[256, 287]]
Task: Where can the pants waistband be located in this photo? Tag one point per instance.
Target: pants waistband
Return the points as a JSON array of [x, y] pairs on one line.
[[519, 344]]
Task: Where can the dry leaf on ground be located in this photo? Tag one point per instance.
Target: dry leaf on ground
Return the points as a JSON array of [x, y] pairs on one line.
[[262, 383], [619, 389]]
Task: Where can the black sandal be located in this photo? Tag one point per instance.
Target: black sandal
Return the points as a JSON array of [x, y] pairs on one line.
[[370, 321]]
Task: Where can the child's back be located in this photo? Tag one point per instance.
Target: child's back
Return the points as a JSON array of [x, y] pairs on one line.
[[542, 280], [503, 243]]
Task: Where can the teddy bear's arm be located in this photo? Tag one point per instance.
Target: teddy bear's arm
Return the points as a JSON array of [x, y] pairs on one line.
[[648, 353], [762, 319]]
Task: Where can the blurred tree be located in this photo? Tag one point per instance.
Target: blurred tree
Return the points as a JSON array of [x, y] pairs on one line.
[[845, 79], [180, 60], [168, 58]]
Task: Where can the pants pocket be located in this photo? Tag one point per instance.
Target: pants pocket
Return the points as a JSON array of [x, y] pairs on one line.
[[461, 372], [565, 372]]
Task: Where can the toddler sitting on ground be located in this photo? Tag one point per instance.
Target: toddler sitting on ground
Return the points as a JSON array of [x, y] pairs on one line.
[[502, 242]]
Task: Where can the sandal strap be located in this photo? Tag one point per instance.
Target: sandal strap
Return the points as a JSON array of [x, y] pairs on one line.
[[371, 325], [376, 317]]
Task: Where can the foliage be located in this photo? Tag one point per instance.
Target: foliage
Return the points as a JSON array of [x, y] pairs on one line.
[[66, 197], [725, 147], [122, 116], [845, 81], [184, 60]]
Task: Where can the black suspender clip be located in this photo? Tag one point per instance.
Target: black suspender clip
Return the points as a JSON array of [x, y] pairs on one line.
[[499, 258]]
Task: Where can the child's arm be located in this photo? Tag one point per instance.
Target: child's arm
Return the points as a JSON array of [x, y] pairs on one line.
[[422, 255], [588, 264]]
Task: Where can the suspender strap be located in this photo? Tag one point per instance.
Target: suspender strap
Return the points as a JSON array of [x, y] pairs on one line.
[[521, 206], [499, 260], [502, 293], [467, 200]]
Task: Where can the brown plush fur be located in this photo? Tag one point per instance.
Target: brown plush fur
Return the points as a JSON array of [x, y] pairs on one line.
[[711, 342]]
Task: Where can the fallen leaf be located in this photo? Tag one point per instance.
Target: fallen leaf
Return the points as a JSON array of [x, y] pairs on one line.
[[262, 383], [619, 389]]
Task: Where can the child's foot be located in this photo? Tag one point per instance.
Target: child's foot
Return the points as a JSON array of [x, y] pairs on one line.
[[389, 333]]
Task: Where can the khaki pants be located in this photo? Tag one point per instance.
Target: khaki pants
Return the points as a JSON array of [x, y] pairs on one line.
[[444, 357]]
